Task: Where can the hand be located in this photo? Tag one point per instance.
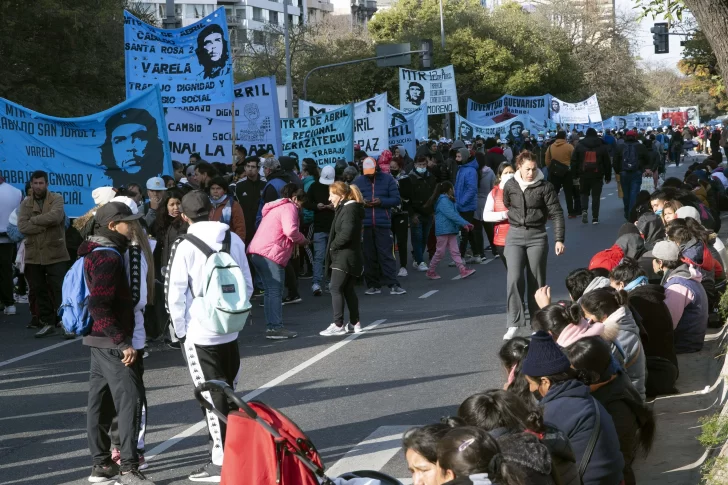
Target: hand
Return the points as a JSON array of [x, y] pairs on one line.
[[559, 248], [648, 173], [376, 202], [154, 202], [468, 227], [320, 206], [130, 356], [543, 296], [415, 220]]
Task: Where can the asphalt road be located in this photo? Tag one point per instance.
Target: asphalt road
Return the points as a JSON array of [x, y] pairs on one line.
[[423, 354]]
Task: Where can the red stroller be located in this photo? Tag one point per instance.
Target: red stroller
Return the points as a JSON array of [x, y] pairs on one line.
[[264, 447]]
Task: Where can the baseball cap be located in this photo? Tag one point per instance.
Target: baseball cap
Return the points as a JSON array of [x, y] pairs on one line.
[[666, 250], [115, 212], [631, 133], [155, 183], [127, 202], [196, 204], [328, 174], [369, 166]]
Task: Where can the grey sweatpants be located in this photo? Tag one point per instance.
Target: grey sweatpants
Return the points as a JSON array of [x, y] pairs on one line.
[[526, 249]]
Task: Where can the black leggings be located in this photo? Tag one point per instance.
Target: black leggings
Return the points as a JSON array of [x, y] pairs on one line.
[[400, 231], [499, 250], [342, 290]]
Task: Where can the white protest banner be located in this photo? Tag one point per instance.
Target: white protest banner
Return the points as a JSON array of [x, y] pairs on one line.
[[586, 111], [507, 107], [680, 116], [397, 117], [326, 137], [207, 130], [641, 120], [436, 88], [370, 121], [404, 135]]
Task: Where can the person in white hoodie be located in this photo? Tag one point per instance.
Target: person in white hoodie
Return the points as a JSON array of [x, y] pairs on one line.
[[10, 199], [209, 355]]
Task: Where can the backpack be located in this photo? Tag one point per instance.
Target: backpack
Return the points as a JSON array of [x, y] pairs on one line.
[[224, 295], [590, 162], [73, 311], [630, 161]]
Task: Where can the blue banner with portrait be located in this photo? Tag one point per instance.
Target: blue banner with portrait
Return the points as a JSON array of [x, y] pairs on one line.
[[419, 116], [403, 135], [511, 129], [124, 144], [192, 65], [507, 107], [325, 137]]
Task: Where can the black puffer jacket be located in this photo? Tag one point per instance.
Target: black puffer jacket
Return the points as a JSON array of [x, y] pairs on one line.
[[343, 251], [532, 207], [595, 152]]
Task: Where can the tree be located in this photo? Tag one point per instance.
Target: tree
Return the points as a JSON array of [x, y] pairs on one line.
[[668, 87], [701, 66], [63, 57]]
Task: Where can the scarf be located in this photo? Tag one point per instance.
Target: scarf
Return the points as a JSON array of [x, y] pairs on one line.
[[117, 240]]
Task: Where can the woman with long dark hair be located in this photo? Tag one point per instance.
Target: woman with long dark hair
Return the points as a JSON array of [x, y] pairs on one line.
[[168, 226]]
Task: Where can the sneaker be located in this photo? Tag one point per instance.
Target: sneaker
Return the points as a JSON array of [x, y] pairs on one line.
[[316, 289], [415, 265], [145, 353], [373, 291], [278, 334], [451, 264], [595, 221], [208, 473], [135, 477], [174, 345], [466, 272], [68, 335], [290, 300], [353, 328], [333, 330], [305, 276], [10, 310], [101, 473], [422, 267], [397, 290], [489, 248], [22, 299], [34, 323], [432, 275], [584, 218], [510, 333], [473, 260], [46, 331], [402, 272], [257, 293]]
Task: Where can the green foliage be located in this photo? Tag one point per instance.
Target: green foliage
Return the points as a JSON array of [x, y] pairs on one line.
[[63, 57], [714, 471], [668, 9], [700, 64], [714, 431]]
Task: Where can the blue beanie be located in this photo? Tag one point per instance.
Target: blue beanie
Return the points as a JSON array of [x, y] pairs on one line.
[[544, 357]]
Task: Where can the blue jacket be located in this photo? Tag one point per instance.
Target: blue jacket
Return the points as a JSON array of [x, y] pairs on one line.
[[447, 219], [466, 187], [569, 407], [384, 188]]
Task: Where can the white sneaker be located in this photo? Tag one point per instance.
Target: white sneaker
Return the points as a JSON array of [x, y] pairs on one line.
[[316, 289], [333, 330], [402, 272], [10, 310], [23, 299], [373, 291], [353, 328], [510, 333], [473, 260], [422, 267], [415, 265]]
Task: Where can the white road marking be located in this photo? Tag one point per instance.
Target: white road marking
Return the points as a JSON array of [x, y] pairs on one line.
[[611, 193], [39, 351], [429, 293], [602, 198], [164, 446], [373, 453]]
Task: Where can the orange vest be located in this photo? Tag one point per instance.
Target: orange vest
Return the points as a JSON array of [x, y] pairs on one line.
[[500, 229]]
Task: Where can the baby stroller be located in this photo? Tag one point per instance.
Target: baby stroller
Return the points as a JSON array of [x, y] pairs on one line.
[[264, 447]]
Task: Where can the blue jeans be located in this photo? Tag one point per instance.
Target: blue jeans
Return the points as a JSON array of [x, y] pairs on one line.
[[420, 233], [631, 183], [273, 276], [320, 240]]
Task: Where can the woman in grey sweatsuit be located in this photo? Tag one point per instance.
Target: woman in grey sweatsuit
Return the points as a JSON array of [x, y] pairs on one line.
[[531, 201]]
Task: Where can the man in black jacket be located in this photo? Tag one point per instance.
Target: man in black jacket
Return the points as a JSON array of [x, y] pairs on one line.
[[592, 166], [421, 186], [248, 192], [631, 162], [317, 200]]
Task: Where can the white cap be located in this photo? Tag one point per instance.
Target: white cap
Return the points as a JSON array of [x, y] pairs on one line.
[[156, 183], [328, 175], [127, 202], [102, 195]]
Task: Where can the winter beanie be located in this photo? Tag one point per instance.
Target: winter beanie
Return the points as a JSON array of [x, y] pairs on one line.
[[544, 357]]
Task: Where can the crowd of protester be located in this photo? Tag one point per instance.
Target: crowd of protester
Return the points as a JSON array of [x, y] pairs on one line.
[[573, 407]]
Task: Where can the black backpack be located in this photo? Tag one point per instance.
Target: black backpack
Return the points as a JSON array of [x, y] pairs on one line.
[[630, 160]]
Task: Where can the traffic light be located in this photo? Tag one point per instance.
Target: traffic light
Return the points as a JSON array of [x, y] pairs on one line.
[[426, 56], [661, 38]]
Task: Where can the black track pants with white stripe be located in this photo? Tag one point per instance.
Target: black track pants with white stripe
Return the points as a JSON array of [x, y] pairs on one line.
[[214, 362]]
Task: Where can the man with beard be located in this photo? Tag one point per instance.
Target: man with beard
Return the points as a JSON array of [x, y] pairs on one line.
[[212, 51], [133, 149]]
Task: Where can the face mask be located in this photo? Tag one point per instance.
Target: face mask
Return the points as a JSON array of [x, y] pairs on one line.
[[394, 173], [658, 212], [421, 169], [506, 177]]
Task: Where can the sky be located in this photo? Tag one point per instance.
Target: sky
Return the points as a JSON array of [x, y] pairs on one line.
[[644, 41]]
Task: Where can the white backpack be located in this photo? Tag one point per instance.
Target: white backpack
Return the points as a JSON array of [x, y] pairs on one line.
[[224, 293]]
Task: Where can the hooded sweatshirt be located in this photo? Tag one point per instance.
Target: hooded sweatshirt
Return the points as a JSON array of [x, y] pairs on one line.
[[652, 229], [186, 277], [621, 327], [687, 301], [466, 184]]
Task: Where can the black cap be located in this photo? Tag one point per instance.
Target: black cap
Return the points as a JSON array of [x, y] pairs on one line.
[[196, 204], [115, 212]]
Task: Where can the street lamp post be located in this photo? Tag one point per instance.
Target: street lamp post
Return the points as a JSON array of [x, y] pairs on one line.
[[286, 40]]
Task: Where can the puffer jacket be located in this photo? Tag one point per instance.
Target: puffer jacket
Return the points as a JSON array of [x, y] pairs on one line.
[[384, 188], [278, 232], [530, 204], [44, 228], [447, 219], [620, 327], [592, 151], [466, 185]]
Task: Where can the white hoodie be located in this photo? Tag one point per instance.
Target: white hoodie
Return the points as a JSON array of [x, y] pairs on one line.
[[185, 275]]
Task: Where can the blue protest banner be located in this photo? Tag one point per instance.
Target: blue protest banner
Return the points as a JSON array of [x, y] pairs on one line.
[[397, 117], [124, 144], [507, 107], [207, 130], [325, 137], [192, 65], [404, 135], [511, 129]]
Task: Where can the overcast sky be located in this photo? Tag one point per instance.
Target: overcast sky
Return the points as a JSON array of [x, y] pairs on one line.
[[646, 49]]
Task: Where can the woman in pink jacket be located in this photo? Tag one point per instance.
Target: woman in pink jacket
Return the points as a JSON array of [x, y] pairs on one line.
[[271, 248]]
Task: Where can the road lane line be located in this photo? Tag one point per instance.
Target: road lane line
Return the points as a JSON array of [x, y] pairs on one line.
[[39, 351], [373, 453], [429, 293], [164, 446], [602, 198]]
